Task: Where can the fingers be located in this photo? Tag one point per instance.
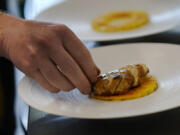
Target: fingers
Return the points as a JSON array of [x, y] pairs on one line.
[[53, 76], [71, 70], [43, 82], [49, 49], [80, 54]]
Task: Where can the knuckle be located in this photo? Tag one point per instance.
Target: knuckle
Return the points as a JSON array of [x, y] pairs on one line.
[[41, 38], [44, 38], [62, 28], [28, 65], [33, 53], [32, 50]]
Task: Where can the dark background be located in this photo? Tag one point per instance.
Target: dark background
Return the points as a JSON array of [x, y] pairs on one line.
[[7, 122]]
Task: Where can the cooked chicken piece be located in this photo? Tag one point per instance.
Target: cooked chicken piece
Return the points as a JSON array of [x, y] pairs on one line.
[[120, 81]]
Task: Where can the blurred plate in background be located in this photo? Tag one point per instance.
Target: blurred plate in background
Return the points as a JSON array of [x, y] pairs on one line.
[[78, 14]]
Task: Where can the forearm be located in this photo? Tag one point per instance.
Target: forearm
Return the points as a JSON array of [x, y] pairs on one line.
[[1, 40], [5, 22]]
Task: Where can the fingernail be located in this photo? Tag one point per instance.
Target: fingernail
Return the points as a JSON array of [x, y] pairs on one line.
[[98, 71]]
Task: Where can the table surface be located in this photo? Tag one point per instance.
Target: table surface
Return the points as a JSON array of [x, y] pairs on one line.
[[166, 123]]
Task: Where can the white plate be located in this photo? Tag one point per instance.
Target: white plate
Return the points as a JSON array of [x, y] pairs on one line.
[[163, 61], [78, 14]]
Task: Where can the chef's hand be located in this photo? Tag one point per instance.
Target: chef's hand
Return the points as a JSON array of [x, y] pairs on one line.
[[37, 49]]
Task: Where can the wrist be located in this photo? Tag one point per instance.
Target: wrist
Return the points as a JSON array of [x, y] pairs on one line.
[[7, 26], [2, 25]]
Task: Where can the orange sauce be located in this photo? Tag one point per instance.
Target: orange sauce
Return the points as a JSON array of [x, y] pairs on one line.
[[120, 21], [148, 86]]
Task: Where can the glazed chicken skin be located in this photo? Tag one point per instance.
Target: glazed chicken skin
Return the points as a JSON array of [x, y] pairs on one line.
[[120, 81]]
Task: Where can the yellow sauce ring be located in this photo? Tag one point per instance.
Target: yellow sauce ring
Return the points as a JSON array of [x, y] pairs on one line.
[[147, 87], [134, 19]]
